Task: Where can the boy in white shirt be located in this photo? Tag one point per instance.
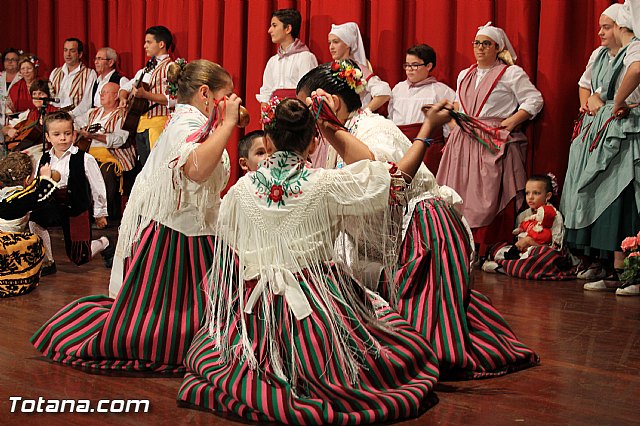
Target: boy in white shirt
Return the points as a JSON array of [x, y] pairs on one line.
[[80, 186], [293, 60]]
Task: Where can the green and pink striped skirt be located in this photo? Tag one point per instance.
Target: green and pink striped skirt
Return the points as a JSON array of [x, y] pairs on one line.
[[393, 384], [151, 323], [470, 337]]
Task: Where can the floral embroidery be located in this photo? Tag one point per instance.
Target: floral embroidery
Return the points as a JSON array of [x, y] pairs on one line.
[[280, 177], [268, 113]]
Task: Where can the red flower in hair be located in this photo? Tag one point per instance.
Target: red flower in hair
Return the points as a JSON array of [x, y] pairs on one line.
[[276, 193]]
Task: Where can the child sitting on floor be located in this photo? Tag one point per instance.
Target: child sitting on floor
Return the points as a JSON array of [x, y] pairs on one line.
[[21, 252], [537, 253], [81, 185], [251, 151]]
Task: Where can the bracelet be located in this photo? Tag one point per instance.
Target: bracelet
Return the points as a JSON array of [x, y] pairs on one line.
[[426, 141]]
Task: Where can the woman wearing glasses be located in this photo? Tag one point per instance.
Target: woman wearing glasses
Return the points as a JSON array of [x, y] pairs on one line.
[[491, 181]]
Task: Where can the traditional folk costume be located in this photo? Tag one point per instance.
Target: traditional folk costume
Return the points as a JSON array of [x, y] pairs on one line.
[[432, 287], [112, 76], [547, 261], [349, 33], [165, 247], [601, 196], [284, 70], [405, 110], [5, 87], [21, 252], [20, 97], [153, 122], [80, 186], [116, 156], [292, 337], [491, 182], [73, 88]]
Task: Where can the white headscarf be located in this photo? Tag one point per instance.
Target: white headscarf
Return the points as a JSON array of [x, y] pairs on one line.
[[612, 11], [498, 35], [625, 18], [349, 33]]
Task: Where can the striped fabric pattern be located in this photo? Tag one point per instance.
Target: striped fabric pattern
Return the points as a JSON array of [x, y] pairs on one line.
[[157, 84], [395, 383], [543, 263], [470, 337], [77, 85], [151, 323]]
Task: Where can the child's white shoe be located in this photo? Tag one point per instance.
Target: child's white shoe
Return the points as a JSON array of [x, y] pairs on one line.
[[632, 290], [490, 266], [601, 285]]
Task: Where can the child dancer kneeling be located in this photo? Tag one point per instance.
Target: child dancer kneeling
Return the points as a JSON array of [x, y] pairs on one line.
[[537, 253], [81, 186], [291, 336], [21, 252]]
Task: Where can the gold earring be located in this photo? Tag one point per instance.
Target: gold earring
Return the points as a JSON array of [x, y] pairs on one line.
[[206, 103]]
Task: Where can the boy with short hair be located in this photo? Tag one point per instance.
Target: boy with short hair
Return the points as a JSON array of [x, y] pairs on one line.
[[293, 60], [251, 151], [80, 186], [420, 88], [158, 41]]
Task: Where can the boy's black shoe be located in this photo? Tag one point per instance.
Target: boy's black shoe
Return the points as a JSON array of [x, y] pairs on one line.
[[48, 269]]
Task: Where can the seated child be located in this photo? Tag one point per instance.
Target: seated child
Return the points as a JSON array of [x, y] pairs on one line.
[[537, 253], [80, 186], [21, 252], [251, 151]]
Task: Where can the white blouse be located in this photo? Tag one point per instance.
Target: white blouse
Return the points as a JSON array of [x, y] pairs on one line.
[[514, 91], [407, 99]]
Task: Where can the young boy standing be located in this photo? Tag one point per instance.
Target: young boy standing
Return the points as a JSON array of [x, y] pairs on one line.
[[293, 60], [157, 43], [80, 186], [419, 89]]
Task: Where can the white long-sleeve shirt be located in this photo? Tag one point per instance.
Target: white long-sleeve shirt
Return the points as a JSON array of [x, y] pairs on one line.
[[65, 89], [514, 91], [284, 73], [407, 99], [91, 171]]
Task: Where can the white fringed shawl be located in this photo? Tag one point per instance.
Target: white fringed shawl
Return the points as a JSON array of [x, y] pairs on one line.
[[281, 221], [162, 192]]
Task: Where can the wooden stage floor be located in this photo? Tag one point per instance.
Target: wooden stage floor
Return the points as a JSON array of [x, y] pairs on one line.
[[589, 344]]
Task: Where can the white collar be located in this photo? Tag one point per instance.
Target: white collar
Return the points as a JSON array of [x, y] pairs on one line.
[[72, 150]]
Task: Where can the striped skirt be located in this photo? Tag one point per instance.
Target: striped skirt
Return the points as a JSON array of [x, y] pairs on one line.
[[542, 263], [151, 323], [470, 337], [395, 383]]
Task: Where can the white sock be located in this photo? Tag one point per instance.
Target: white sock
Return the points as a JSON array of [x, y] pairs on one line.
[[98, 245], [46, 239]]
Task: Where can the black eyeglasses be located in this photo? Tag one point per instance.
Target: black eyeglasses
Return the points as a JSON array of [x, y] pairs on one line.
[[101, 59], [486, 44], [414, 67], [11, 59]]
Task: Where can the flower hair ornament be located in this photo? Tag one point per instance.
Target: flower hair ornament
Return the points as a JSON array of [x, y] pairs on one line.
[[345, 70], [268, 113], [35, 61], [172, 87]]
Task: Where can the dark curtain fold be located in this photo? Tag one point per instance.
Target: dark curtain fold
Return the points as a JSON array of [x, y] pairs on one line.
[[553, 40]]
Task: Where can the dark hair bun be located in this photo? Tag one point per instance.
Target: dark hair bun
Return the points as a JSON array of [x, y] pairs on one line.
[[174, 73], [292, 115]]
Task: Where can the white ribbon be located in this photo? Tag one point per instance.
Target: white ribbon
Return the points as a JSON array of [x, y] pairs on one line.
[[283, 283]]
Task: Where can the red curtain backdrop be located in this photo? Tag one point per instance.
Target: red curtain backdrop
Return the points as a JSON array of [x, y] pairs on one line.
[[553, 40]]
